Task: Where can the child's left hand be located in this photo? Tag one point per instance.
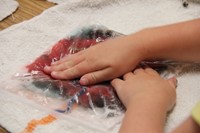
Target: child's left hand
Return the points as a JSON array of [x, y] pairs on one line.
[[144, 85]]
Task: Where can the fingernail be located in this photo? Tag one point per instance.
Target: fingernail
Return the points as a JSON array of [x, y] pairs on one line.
[[47, 68], [53, 63], [53, 73], [84, 81]]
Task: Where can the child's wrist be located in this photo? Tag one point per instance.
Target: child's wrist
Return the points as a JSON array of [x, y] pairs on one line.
[[149, 101], [143, 44]]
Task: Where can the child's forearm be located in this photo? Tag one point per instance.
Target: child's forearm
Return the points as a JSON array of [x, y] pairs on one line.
[[179, 41], [144, 116]]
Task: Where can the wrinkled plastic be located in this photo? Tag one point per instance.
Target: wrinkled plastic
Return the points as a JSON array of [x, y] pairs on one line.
[[69, 92], [99, 100], [61, 95], [94, 103]]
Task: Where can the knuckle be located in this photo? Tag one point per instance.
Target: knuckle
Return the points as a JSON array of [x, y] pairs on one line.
[[93, 78], [138, 70], [68, 64], [89, 60], [93, 61], [71, 73]]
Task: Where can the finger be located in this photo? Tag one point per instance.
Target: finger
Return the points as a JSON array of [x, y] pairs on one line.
[[67, 74], [76, 71], [73, 72], [68, 58], [128, 75], [173, 82], [47, 69], [139, 71], [64, 59], [151, 71], [97, 76], [59, 67], [117, 84], [64, 65]]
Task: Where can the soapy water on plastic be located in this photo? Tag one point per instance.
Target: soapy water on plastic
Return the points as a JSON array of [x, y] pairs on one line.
[[94, 97], [61, 95]]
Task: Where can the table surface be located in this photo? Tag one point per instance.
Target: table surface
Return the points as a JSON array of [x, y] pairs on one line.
[[26, 10]]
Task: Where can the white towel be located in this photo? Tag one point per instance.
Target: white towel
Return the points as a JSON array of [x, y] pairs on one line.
[[7, 7], [21, 43], [58, 1]]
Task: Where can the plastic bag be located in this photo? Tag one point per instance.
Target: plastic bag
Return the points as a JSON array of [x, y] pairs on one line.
[[95, 103], [70, 92]]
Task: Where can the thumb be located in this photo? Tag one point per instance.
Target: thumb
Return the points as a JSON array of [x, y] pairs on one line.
[[96, 77]]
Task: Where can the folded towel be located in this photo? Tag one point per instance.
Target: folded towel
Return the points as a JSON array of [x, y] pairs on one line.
[[23, 42]]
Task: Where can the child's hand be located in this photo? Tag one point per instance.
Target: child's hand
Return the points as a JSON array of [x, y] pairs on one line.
[[145, 84], [105, 61]]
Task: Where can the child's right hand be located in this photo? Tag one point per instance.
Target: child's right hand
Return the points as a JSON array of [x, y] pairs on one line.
[[115, 57], [147, 85], [101, 62]]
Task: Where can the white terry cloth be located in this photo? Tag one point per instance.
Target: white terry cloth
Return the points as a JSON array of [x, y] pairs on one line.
[[21, 43], [7, 7], [58, 1]]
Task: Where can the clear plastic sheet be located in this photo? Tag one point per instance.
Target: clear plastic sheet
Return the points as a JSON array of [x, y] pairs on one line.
[[89, 103], [63, 95]]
